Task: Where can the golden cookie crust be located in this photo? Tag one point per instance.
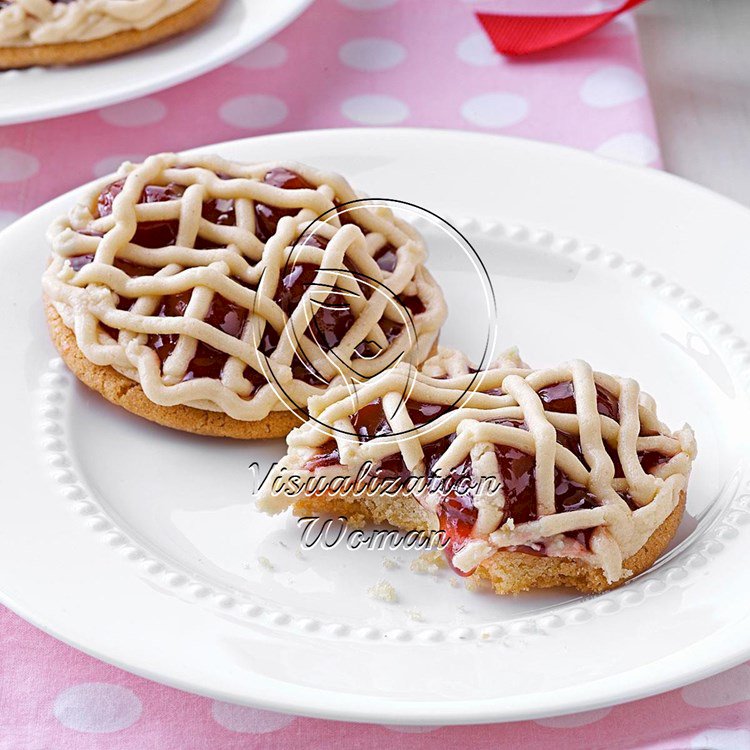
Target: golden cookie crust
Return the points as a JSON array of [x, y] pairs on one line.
[[513, 572], [507, 572], [69, 53], [128, 394]]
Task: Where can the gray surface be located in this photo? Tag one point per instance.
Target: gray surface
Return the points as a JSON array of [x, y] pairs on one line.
[[697, 59]]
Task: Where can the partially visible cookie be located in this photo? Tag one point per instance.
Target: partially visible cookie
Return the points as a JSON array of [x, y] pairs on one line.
[[72, 52], [126, 393]]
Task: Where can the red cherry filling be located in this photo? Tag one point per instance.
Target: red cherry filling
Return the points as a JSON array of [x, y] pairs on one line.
[[570, 495], [218, 211], [333, 318], [77, 262], [560, 397], [207, 361], [386, 258], [329, 324], [413, 304], [267, 217], [370, 421], [328, 455], [457, 518], [154, 234], [149, 234], [650, 460], [517, 471]]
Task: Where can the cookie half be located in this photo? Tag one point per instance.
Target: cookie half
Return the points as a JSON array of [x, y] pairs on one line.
[[531, 478]]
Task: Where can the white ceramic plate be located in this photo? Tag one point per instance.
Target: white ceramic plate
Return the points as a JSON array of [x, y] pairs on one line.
[[141, 545], [239, 25]]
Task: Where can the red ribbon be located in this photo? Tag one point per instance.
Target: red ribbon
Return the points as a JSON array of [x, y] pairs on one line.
[[519, 35]]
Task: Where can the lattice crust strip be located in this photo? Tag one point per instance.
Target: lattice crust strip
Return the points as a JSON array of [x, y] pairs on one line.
[[32, 22], [117, 312], [609, 421]]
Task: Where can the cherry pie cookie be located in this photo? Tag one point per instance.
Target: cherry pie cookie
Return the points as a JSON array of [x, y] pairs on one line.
[[62, 32], [538, 478], [217, 297]]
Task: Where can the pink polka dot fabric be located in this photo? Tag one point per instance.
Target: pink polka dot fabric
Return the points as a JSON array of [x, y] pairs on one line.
[[359, 62], [343, 63]]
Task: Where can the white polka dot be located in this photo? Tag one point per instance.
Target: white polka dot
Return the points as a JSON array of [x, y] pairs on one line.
[[408, 729], [572, 721], [254, 111], [375, 109], [135, 114], [612, 86], [477, 49], [7, 218], [721, 739], [97, 707], [268, 55], [17, 165], [495, 110], [635, 148], [723, 689], [372, 54], [367, 4], [248, 720], [110, 164]]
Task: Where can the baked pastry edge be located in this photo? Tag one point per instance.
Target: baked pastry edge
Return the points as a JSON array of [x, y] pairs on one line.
[[508, 572], [128, 394], [70, 53]]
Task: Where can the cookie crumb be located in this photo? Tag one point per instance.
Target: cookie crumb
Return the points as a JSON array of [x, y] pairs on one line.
[[383, 591], [298, 554], [428, 562], [389, 563], [265, 563], [415, 614]]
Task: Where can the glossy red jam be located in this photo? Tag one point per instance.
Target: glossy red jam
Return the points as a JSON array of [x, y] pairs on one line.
[[457, 518], [77, 262], [386, 258], [149, 234], [154, 234], [370, 421], [650, 460], [207, 362], [328, 455], [560, 397], [267, 217], [518, 475], [331, 321], [569, 495]]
